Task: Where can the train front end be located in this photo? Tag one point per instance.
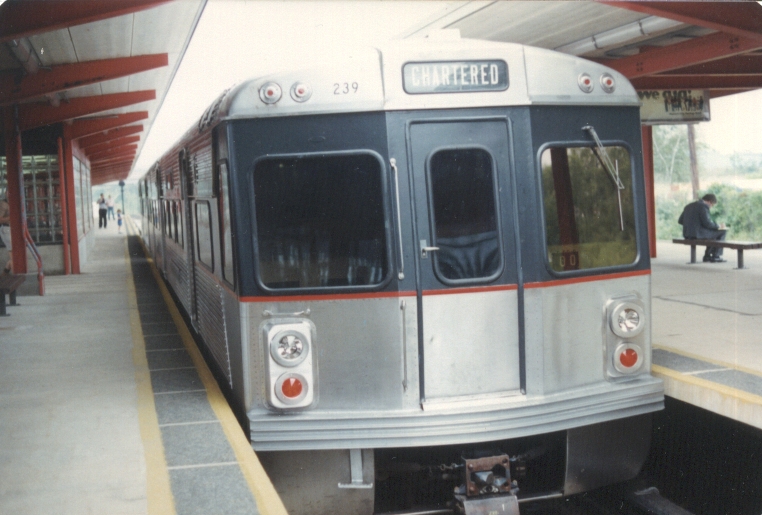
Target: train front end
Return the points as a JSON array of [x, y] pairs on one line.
[[444, 280]]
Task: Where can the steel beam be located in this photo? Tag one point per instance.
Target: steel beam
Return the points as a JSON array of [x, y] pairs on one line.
[[103, 137], [22, 18], [680, 55], [113, 152], [106, 145], [38, 115], [67, 76], [736, 65], [71, 203], [83, 128], [698, 82], [15, 189], [738, 18]]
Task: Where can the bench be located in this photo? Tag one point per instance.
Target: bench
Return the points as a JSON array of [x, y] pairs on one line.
[[739, 246], [8, 285]]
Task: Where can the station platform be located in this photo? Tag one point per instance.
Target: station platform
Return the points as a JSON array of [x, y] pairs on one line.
[[107, 407], [707, 331]]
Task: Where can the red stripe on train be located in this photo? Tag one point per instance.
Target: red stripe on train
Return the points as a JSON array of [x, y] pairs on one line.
[[586, 279]]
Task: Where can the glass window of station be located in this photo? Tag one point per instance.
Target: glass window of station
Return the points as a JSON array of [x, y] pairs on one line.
[[320, 222], [589, 218]]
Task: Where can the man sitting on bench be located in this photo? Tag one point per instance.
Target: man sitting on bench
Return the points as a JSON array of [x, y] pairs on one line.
[[697, 224]]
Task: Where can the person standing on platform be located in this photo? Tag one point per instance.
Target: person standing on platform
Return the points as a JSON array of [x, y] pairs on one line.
[[110, 206], [119, 220], [102, 210], [5, 233], [698, 225]]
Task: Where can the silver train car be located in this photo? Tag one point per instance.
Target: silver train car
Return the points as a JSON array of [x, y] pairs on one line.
[[421, 274]]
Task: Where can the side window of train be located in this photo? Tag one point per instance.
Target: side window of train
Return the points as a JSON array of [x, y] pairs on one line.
[[464, 215], [228, 271], [320, 221], [179, 222], [168, 219], [204, 233], [584, 228]]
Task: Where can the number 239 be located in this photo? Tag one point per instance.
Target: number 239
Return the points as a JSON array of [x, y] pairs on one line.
[[345, 88]]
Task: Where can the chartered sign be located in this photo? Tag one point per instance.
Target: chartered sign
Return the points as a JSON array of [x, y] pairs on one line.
[[455, 76], [674, 106]]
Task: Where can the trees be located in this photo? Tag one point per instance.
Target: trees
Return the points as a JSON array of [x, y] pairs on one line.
[[671, 156]]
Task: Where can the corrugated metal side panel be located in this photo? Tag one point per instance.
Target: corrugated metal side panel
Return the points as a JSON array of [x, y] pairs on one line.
[[211, 321], [177, 273], [200, 150]]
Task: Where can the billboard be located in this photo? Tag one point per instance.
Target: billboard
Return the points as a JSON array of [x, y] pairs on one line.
[[674, 106]]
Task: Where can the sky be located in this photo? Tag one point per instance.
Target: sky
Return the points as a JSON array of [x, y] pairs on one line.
[[236, 40], [736, 124]]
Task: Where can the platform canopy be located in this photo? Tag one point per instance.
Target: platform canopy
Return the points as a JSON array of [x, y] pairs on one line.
[[715, 46], [102, 68]]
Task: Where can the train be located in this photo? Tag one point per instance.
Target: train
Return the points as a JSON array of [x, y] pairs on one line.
[[420, 272]]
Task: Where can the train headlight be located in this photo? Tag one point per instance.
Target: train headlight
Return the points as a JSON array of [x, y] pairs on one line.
[[301, 92], [627, 320], [270, 92], [628, 358], [289, 348]]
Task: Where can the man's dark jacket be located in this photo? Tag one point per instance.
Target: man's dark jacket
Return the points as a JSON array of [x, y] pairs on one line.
[[696, 222]]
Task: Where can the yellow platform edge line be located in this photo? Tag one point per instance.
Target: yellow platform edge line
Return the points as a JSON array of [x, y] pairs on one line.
[[708, 360], [709, 385], [158, 488], [268, 500]]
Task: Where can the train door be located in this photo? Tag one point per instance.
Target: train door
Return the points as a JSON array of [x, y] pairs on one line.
[[159, 224], [190, 238], [467, 282]]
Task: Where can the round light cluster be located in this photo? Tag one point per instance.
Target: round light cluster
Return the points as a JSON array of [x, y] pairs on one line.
[[270, 92], [627, 320], [289, 348], [628, 358]]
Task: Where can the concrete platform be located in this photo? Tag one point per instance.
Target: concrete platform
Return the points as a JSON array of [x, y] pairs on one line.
[[107, 408], [707, 331]]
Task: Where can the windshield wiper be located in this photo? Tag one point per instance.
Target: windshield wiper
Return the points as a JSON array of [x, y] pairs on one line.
[[613, 170]]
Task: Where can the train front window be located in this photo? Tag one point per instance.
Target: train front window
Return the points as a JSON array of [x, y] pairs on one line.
[[584, 225], [464, 212], [320, 221]]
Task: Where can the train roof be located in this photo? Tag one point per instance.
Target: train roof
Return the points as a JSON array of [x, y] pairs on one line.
[[426, 74]]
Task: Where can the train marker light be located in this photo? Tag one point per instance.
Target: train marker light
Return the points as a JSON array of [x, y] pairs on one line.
[[585, 83], [607, 83], [628, 358], [627, 320], [270, 92], [301, 92], [291, 388]]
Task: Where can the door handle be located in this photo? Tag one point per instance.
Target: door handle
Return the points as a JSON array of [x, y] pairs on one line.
[[425, 249]]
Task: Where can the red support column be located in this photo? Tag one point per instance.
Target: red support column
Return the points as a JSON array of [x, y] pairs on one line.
[[64, 211], [648, 172], [15, 181], [71, 203]]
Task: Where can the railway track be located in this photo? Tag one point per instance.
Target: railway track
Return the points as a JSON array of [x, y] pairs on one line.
[[607, 501]]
